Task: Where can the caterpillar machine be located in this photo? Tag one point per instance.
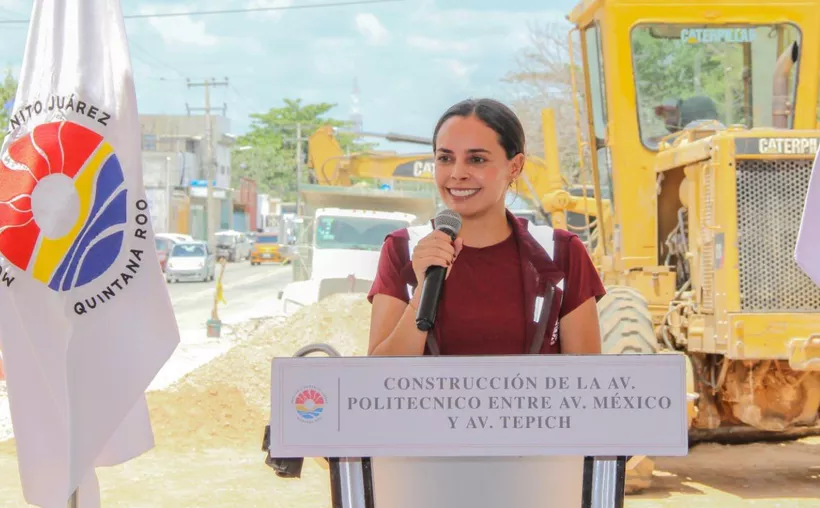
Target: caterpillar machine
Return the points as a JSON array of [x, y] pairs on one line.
[[702, 120], [543, 196], [354, 200], [666, 302]]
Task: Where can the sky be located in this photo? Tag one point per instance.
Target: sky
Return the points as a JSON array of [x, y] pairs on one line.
[[411, 58]]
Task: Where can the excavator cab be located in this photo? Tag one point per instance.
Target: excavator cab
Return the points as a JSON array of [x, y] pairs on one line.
[[701, 119]]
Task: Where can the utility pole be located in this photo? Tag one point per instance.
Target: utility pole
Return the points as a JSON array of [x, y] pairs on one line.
[[210, 165], [299, 156], [168, 197], [298, 167]]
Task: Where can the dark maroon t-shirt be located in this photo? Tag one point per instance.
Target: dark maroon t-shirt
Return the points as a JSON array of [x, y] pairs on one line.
[[482, 311]]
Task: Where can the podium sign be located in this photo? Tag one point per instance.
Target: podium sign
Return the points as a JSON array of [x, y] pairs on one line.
[[532, 405]]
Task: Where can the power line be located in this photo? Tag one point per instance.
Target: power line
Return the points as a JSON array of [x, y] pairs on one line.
[[231, 11], [210, 167]]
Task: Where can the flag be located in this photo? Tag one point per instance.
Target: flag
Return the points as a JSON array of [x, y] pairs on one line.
[[807, 250], [86, 321]]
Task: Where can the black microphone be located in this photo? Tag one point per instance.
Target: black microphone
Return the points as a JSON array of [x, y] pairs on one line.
[[449, 222]]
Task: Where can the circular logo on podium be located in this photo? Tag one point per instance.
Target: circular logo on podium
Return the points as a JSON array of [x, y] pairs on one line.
[[309, 403]]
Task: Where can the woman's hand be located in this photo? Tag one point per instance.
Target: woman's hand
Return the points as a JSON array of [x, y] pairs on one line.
[[435, 249]]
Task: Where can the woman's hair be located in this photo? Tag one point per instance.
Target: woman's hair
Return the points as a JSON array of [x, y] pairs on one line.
[[496, 116]]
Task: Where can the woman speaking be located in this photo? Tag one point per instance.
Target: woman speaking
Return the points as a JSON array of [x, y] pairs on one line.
[[496, 269]]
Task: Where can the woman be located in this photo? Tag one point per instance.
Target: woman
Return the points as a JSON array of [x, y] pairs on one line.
[[495, 268]]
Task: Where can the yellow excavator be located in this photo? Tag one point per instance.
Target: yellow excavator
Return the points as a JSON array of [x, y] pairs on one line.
[[542, 186], [703, 116]]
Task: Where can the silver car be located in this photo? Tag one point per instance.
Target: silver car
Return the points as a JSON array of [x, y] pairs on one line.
[[190, 261]]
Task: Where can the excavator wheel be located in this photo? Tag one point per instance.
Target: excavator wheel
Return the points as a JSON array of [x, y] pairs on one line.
[[626, 328], [626, 324]]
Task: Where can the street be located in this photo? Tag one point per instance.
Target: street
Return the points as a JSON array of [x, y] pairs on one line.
[[249, 292], [216, 415]]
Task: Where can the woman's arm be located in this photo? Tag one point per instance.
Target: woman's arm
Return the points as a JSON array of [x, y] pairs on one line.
[[393, 330], [579, 330]]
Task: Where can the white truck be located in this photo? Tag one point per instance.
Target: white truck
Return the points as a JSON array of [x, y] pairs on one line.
[[340, 253]]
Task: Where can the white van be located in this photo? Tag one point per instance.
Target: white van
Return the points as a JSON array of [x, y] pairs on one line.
[[233, 245]]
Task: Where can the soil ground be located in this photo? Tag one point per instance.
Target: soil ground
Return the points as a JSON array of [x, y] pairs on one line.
[[209, 428]]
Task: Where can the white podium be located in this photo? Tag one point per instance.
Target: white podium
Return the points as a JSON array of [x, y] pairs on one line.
[[530, 431]]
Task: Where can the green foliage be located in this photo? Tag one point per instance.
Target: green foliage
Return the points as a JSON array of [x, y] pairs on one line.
[[670, 69], [271, 158], [724, 72], [7, 92]]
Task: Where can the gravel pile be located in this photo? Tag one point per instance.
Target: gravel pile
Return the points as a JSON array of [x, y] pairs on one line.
[[227, 401]]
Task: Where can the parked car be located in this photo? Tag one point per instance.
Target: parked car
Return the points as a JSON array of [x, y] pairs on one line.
[[232, 245], [266, 249], [164, 242], [191, 261], [163, 246]]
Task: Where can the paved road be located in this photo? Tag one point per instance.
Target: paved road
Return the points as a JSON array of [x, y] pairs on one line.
[[250, 291]]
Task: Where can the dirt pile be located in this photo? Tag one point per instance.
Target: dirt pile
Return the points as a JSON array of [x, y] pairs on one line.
[[226, 402]]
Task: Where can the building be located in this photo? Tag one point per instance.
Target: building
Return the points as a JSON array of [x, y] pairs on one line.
[[174, 151], [245, 205]]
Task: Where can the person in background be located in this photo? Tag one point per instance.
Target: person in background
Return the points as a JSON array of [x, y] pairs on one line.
[[677, 114], [495, 267]]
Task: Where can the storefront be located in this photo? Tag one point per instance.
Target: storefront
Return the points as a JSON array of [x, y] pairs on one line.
[[198, 193]]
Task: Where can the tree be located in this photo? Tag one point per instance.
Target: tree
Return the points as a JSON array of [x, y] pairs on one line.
[[7, 92], [543, 79], [268, 152]]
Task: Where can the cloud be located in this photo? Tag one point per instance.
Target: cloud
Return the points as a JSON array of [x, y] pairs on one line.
[[14, 5], [333, 64], [434, 45], [473, 30], [371, 28], [333, 44], [180, 29], [335, 56], [456, 70]]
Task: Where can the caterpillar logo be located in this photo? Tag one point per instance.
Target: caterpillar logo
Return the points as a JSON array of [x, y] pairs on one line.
[[777, 146], [424, 168], [717, 35]]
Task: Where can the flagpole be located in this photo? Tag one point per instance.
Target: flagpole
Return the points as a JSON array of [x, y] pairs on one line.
[[73, 501]]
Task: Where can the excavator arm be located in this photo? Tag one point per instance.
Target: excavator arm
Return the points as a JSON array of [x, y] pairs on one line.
[[541, 181]]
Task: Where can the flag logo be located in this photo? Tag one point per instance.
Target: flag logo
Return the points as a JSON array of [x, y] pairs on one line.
[[309, 403], [63, 206]]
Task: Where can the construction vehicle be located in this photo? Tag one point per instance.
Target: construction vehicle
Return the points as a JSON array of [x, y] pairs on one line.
[[543, 195], [341, 254], [702, 114], [707, 101]]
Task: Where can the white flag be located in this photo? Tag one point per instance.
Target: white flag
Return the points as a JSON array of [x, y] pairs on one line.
[[807, 251], [86, 322]]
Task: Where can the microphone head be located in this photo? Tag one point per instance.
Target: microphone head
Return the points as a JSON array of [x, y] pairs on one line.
[[448, 221]]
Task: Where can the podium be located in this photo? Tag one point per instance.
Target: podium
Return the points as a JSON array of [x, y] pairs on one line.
[[545, 431]]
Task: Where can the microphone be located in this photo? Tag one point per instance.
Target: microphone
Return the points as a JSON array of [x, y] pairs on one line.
[[449, 222]]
